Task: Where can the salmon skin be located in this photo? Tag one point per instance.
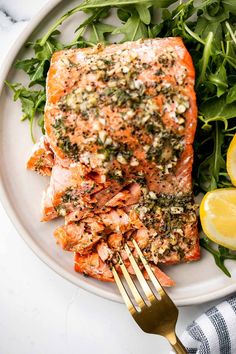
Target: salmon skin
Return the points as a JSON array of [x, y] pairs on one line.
[[120, 121]]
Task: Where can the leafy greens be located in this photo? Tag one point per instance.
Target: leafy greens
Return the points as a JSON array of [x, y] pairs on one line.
[[208, 28]]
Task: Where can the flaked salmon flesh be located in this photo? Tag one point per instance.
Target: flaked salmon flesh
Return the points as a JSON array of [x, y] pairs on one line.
[[120, 123]]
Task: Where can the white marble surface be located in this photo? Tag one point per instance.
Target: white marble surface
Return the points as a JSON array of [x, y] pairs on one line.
[[41, 313]]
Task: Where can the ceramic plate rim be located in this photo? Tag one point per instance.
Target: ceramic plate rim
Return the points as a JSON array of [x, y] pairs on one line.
[[9, 208]]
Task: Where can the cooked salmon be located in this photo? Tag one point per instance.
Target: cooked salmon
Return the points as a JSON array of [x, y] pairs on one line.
[[41, 159], [120, 123]]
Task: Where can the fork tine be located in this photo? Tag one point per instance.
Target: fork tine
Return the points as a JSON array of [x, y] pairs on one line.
[[132, 286], [123, 292], [146, 288], [151, 275]]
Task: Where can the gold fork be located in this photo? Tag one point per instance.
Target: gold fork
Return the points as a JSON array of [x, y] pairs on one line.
[[153, 315]]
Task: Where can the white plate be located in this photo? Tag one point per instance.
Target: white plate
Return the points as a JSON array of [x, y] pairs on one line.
[[21, 192]]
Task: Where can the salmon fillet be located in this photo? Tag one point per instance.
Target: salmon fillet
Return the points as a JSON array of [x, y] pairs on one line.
[[41, 159], [120, 121]]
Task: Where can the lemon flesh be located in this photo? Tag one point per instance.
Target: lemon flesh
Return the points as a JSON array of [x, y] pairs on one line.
[[231, 160], [218, 216]]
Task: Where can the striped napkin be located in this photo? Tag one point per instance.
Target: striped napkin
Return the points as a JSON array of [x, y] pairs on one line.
[[214, 332]]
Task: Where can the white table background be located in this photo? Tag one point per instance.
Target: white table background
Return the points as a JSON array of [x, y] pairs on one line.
[[41, 313]]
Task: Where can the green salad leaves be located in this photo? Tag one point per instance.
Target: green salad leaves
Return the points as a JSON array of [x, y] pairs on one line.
[[208, 28]]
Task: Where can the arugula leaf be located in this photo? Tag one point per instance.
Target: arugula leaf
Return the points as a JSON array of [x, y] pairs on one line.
[[144, 13], [219, 79], [210, 168], [102, 3], [229, 5], [99, 32], [123, 14], [96, 15], [231, 96], [133, 29], [207, 53], [28, 65], [90, 4], [220, 256], [37, 72], [217, 109], [213, 10], [38, 66], [32, 102], [45, 51]]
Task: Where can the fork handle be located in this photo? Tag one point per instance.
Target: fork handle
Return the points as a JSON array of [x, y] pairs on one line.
[[178, 347]]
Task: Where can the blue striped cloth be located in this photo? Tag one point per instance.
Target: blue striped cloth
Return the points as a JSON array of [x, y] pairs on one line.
[[214, 332]]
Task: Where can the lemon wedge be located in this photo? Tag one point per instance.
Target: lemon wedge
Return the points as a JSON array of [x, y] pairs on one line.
[[218, 216], [231, 160]]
